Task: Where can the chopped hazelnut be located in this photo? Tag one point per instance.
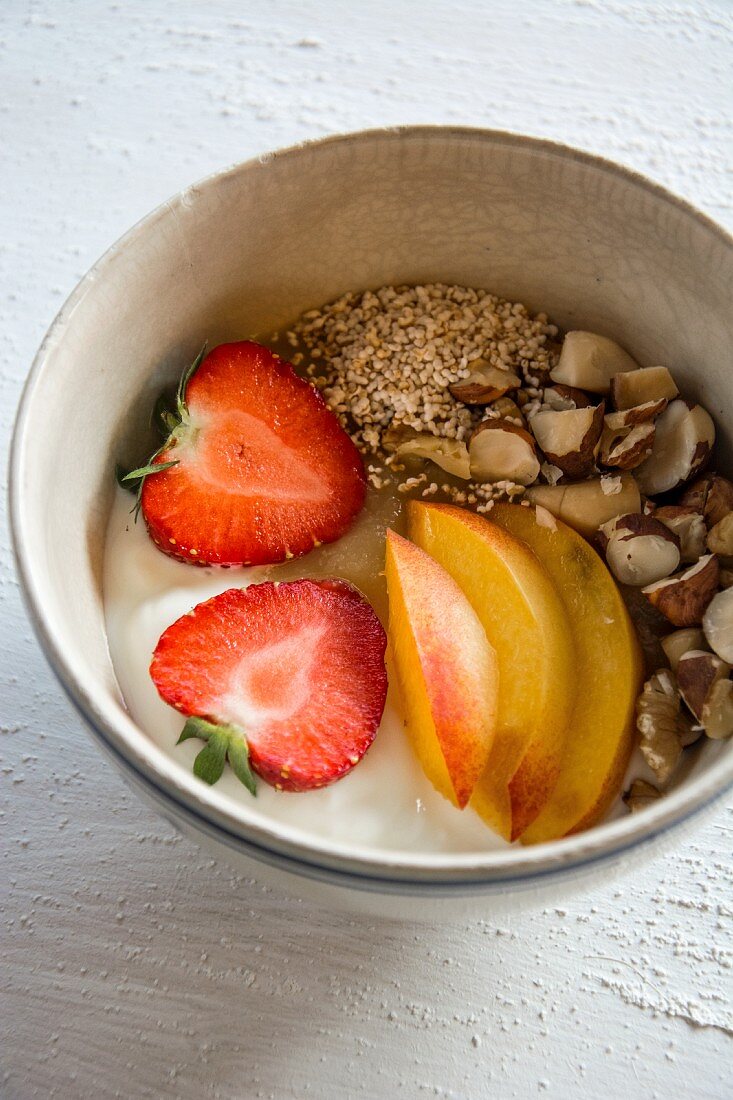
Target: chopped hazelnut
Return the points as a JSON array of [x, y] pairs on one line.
[[570, 438], [684, 438], [561, 398], [704, 681], [679, 642], [500, 450], [637, 414], [684, 597], [689, 527], [712, 496], [697, 671], [484, 384], [589, 362], [450, 454], [639, 549], [628, 448], [717, 623], [720, 538], [639, 387]]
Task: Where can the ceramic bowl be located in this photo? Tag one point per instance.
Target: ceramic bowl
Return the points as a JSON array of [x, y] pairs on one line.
[[248, 250]]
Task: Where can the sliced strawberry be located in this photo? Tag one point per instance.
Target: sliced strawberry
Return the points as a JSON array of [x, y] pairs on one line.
[[257, 467], [292, 670]]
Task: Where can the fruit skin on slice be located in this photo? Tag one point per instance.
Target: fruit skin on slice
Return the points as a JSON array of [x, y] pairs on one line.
[[527, 625], [297, 666], [609, 672], [264, 471], [446, 669]]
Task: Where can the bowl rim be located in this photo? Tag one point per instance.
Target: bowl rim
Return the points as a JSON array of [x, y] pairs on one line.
[[134, 750]]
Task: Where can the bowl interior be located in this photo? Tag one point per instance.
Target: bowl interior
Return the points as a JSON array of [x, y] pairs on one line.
[[247, 251]]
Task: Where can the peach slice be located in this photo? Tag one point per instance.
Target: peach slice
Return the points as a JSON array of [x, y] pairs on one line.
[[446, 669], [527, 625], [608, 672]]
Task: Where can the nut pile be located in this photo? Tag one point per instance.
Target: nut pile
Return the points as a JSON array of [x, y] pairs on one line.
[[474, 385], [687, 576]]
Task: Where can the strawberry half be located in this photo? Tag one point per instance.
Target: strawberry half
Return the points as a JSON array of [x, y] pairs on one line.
[[286, 677], [256, 468]]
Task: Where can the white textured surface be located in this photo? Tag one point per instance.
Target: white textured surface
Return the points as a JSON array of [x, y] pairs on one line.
[[132, 965]]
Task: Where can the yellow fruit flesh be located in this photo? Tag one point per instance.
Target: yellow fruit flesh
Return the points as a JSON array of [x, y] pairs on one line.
[[526, 623], [446, 670], [609, 674]]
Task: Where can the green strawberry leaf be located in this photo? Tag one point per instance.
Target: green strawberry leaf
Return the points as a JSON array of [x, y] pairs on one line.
[[222, 743], [197, 727], [152, 468], [238, 757], [209, 764], [183, 384]]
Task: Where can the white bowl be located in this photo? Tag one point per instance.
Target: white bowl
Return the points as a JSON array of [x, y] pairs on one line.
[[248, 250]]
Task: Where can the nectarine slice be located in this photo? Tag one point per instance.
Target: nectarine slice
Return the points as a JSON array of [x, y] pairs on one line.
[[527, 625], [446, 670], [608, 671]]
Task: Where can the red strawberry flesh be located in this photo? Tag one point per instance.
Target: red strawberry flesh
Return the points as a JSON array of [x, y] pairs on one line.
[[297, 666], [264, 469]]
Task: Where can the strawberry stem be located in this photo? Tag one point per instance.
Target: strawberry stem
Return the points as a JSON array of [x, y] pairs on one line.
[[223, 743], [167, 421]]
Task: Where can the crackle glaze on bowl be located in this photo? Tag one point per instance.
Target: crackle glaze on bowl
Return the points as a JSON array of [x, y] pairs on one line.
[[246, 251]]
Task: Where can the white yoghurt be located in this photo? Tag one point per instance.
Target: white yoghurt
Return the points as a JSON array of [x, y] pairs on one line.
[[385, 802]]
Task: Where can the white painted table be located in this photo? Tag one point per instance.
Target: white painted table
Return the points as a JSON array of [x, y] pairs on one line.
[[134, 967]]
